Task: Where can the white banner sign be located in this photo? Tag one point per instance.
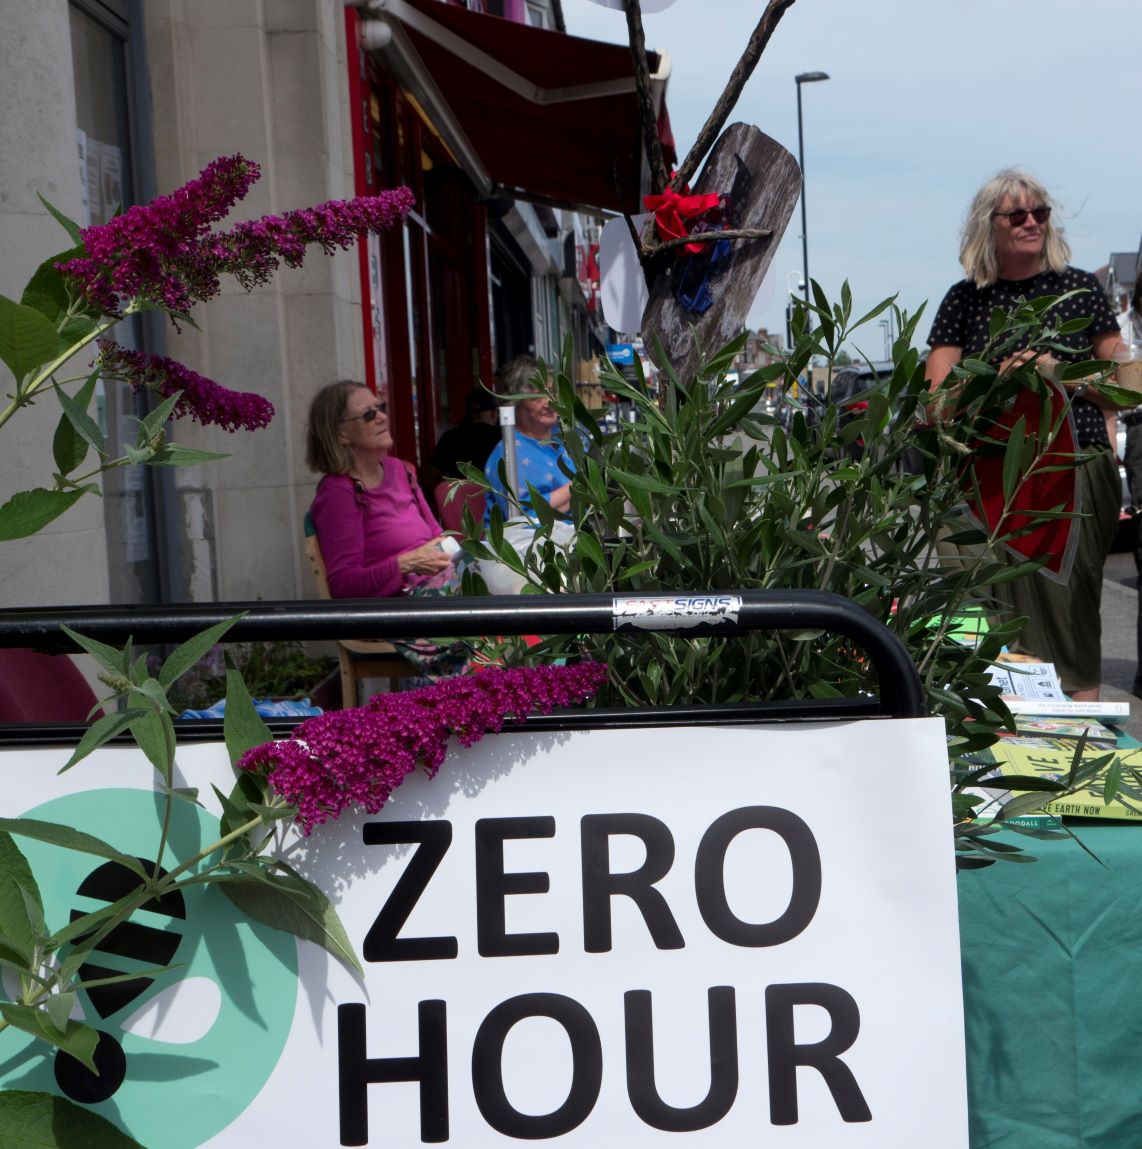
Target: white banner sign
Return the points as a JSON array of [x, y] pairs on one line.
[[743, 935]]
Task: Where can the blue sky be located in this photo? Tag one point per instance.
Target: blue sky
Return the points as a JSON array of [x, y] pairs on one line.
[[925, 102]]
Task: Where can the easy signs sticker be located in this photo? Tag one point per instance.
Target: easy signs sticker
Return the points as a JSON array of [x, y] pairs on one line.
[[614, 937]]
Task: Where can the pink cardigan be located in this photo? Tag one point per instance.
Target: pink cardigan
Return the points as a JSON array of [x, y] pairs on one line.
[[362, 532]]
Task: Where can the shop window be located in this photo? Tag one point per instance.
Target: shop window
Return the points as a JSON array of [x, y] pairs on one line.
[[102, 95]]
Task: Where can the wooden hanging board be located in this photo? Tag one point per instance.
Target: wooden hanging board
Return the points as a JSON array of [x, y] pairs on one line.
[[763, 181]]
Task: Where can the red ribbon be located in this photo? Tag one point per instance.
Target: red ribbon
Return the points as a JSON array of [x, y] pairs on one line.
[[671, 211]]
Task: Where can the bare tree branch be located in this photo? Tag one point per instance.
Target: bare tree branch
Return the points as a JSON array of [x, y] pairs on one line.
[[653, 145], [770, 18], [655, 246]]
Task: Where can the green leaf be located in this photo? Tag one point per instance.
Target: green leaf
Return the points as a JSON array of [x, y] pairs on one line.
[[44, 1121], [74, 231], [154, 735], [75, 332], [1016, 570], [112, 660], [75, 1038], [150, 971], [1071, 371], [21, 906], [84, 426], [152, 690], [195, 648], [1113, 778], [732, 415], [69, 444], [46, 290], [59, 1007], [86, 924], [643, 482], [296, 906], [249, 789], [152, 424], [102, 730], [27, 512], [242, 725], [27, 339], [176, 455], [139, 456], [69, 839], [1013, 458]]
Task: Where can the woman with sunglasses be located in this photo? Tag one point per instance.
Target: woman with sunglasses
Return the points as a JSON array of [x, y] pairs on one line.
[[377, 535], [1011, 249]]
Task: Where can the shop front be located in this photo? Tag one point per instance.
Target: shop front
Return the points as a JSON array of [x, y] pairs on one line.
[[503, 130]]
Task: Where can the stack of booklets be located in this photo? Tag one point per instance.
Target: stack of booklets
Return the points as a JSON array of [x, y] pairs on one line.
[[1048, 732]]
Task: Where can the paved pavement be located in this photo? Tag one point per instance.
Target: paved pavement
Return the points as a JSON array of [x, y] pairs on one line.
[[1119, 635]]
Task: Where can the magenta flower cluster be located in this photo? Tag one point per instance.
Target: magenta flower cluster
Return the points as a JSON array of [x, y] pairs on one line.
[[164, 253], [199, 398], [356, 758]]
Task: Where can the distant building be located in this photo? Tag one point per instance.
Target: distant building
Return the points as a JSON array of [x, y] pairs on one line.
[[1120, 275], [754, 354]]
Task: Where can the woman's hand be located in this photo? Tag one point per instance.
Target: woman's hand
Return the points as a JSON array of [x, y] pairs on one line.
[[1047, 365], [560, 499], [428, 559]]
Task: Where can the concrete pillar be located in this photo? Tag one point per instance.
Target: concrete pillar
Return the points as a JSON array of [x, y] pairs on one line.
[[266, 80], [66, 562]]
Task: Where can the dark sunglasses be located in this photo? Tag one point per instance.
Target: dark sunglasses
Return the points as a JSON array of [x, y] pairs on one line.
[[369, 415], [1017, 217]]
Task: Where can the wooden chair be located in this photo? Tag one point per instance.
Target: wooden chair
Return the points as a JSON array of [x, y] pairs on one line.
[[358, 659]]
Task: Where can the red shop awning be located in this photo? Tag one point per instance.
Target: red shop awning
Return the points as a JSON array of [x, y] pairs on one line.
[[540, 114]]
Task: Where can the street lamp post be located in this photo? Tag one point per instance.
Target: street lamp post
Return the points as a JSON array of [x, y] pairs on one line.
[[804, 78], [790, 291]]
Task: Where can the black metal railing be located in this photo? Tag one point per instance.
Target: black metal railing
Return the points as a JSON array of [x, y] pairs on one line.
[[900, 694]]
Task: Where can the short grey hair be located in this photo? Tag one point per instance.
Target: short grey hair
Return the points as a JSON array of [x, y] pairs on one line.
[[521, 376], [978, 253]]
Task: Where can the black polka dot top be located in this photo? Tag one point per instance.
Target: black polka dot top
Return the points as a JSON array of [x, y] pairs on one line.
[[962, 321]]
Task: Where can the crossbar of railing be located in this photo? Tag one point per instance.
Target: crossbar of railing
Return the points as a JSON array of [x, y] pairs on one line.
[[900, 691]]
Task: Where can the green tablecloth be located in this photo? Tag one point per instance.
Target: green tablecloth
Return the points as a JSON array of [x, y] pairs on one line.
[[1052, 968]]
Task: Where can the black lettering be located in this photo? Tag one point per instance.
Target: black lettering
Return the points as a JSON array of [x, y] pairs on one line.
[[785, 1055], [600, 885], [644, 1096], [493, 886], [710, 878], [432, 840], [488, 1071], [356, 1071]]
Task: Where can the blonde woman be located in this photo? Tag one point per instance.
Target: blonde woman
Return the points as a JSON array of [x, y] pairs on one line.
[[1013, 248]]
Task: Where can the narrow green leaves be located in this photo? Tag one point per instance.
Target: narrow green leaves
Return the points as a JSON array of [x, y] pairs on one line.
[[242, 725], [74, 231], [101, 731], [76, 430], [194, 649]]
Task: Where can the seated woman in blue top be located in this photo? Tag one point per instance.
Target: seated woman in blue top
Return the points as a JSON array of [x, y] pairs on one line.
[[541, 461]]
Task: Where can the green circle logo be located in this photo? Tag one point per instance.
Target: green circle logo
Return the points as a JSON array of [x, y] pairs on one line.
[[182, 1053]]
